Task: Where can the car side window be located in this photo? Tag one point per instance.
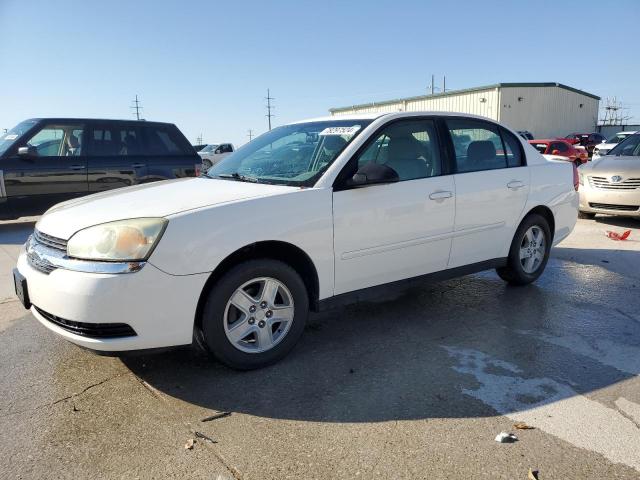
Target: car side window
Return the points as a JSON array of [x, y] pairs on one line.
[[115, 141], [163, 141], [409, 147], [57, 141], [477, 145], [513, 149]]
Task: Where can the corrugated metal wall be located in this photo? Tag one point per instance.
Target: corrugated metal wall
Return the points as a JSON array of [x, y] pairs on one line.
[[547, 111], [484, 103]]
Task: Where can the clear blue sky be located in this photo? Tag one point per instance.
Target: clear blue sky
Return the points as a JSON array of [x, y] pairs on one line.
[[206, 65]]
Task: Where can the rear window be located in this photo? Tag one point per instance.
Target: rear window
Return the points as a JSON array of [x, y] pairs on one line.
[[541, 147]]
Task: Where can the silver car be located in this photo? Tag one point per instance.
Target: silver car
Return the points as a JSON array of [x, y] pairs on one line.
[[611, 185]]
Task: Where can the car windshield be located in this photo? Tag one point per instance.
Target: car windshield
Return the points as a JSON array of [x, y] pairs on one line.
[[8, 138], [617, 138], [295, 155], [629, 147], [209, 148]]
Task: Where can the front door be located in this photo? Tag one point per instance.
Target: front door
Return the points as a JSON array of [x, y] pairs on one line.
[[492, 185], [53, 170], [389, 232]]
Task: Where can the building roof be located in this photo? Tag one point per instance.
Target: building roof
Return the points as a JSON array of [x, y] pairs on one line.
[[466, 90]]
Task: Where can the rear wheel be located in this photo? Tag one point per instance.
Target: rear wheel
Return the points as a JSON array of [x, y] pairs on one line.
[[586, 215], [529, 251], [255, 314]]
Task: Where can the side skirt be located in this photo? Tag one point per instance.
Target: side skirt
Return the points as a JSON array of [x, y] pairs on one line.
[[387, 289]]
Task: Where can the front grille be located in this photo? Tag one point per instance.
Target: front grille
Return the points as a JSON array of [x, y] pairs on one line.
[[39, 264], [621, 208], [604, 183], [49, 241], [93, 330]]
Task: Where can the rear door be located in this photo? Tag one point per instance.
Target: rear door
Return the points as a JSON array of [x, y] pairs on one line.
[[55, 169], [115, 156], [168, 153], [492, 185]]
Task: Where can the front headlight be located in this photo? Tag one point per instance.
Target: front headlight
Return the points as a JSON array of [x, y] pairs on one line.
[[124, 240]]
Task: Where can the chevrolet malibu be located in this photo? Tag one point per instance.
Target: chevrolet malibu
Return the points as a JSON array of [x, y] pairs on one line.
[[306, 217]]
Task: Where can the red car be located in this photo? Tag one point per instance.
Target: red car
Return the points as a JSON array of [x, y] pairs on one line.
[[561, 148], [587, 140]]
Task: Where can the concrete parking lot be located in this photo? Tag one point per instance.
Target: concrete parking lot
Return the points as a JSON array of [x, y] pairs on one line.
[[416, 386]]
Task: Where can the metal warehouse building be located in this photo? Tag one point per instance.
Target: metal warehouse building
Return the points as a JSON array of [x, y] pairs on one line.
[[545, 109]]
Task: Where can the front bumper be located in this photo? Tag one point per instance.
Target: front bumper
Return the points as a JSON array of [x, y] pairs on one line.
[[609, 201], [160, 308]]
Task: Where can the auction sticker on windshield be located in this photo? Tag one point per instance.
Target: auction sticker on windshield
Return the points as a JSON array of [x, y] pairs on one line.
[[350, 131], [10, 137]]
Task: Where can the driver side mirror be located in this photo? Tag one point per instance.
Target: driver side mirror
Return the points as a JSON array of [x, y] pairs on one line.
[[373, 174], [27, 152]]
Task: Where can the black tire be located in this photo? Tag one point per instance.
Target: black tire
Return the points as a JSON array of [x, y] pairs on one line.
[[514, 272], [586, 215], [213, 334]]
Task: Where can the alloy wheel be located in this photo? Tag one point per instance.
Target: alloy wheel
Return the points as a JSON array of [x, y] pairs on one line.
[[532, 249], [258, 315]]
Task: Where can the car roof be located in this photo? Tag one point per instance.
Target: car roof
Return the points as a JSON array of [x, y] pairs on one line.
[[400, 114], [110, 120], [547, 140]]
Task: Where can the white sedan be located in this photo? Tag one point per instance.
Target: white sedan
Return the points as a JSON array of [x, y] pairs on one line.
[[307, 216]]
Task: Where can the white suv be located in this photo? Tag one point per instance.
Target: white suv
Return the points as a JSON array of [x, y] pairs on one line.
[[603, 148], [213, 153], [306, 216]]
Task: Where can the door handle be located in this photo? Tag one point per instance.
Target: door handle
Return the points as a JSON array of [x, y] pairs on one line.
[[440, 195], [77, 167], [515, 184], [139, 165]]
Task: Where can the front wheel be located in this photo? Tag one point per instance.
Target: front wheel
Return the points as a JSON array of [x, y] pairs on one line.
[[529, 251], [255, 314]]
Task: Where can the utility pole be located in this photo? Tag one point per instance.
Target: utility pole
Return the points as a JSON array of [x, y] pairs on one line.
[[432, 83], [250, 134], [136, 106], [444, 83], [269, 107], [199, 140]]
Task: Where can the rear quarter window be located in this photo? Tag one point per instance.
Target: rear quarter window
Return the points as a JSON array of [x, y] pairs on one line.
[[165, 140]]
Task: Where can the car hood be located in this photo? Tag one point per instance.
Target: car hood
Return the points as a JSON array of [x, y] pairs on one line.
[[158, 199], [626, 167]]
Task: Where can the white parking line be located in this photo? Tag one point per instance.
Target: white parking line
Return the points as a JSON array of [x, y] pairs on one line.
[[552, 407]]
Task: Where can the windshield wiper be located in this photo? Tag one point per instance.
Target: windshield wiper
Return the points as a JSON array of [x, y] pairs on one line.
[[239, 177]]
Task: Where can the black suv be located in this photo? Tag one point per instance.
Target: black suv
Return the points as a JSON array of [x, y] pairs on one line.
[[44, 161]]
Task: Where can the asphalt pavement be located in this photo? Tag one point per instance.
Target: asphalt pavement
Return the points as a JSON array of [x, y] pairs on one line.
[[415, 386]]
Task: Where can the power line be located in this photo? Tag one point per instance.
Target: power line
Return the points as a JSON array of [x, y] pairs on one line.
[[269, 107], [250, 134], [613, 113], [136, 106]]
